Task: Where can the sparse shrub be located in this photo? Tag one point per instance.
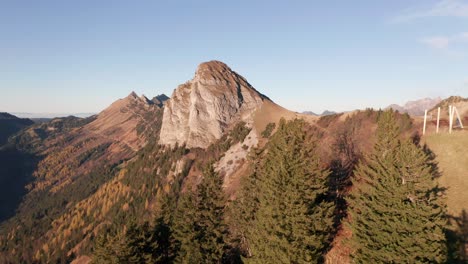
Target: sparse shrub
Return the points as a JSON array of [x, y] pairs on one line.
[[268, 130], [239, 132]]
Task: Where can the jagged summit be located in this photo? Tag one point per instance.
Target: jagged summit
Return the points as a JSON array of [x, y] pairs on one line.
[[159, 100], [146, 100], [132, 95], [201, 110]]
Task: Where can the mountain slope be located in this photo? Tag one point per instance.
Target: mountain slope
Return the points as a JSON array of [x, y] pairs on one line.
[[124, 120], [74, 159], [10, 124]]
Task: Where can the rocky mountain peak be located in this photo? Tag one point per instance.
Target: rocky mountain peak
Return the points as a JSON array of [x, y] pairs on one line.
[[132, 95], [201, 110], [417, 107], [146, 100], [218, 74], [159, 100], [213, 70]]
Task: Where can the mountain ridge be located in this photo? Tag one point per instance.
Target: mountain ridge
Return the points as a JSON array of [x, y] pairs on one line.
[[11, 124], [416, 107]]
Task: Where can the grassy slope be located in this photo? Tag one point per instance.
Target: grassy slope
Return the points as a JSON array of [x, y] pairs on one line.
[[452, 156], [272, 113]]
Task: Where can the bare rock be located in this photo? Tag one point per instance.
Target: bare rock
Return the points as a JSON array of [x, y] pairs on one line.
[[201, 110]]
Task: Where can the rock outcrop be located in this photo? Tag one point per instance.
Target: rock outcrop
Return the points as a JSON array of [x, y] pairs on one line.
[[201, 110], [160, 99]]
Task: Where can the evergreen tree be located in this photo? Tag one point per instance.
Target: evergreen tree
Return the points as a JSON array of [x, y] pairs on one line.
[[110, 248], [199, 223], [101, 252], [396, 212], [142, 244], [162, 244], [293, 218], [243, 210], [185, 233], [154, 243], [211, 223]]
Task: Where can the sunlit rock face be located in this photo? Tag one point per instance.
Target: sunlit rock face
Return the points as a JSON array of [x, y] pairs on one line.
[[201, 110]]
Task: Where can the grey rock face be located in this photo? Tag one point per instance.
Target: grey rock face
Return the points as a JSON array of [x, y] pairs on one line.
[[201, 110]]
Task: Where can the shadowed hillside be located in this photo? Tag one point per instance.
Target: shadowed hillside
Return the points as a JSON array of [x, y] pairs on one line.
[[16, 169], [10, 124]]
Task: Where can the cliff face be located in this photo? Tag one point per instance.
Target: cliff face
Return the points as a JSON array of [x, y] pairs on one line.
[[201, 110]]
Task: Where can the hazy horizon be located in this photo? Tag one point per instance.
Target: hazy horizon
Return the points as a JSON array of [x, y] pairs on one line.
[[87, 114], [63, 57]]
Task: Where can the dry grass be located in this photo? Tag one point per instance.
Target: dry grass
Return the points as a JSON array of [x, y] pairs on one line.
[[452, 156], [272, 113]]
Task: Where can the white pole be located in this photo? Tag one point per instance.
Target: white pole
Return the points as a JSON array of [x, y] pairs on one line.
[[458, 116], [438, 119], [424, 126], [450, 119]]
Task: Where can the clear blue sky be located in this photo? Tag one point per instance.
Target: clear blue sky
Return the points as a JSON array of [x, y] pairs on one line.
[[79, 56]]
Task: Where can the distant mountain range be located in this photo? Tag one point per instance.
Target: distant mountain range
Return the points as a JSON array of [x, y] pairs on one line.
[[414, 108], [160, 99], [42, 117], [50, 115], [324, 113], [417, 107]]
